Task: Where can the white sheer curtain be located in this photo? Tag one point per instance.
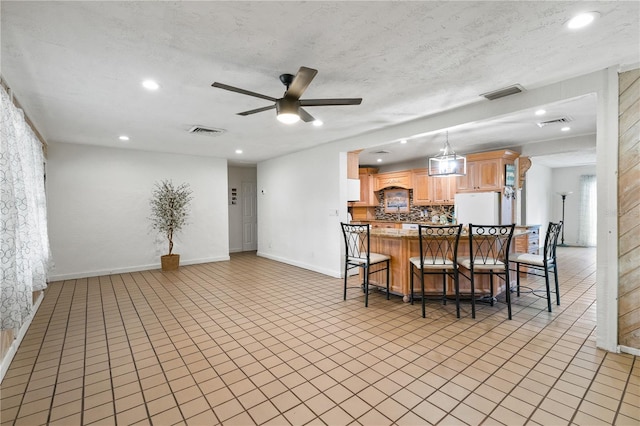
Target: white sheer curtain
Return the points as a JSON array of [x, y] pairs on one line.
[[24, 242], [587, 215]]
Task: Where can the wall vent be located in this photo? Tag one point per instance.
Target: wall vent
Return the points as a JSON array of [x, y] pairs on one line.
[[501, 93], [561, 120], [207, 131]]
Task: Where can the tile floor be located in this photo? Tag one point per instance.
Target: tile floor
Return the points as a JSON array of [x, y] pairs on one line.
[[253, 341]]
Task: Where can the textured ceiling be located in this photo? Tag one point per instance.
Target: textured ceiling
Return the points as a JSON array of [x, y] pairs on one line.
[[76, 67]]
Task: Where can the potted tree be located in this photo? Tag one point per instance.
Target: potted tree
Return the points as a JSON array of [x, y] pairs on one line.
[[169, 212]]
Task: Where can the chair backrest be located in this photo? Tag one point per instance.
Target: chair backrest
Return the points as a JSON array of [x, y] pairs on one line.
[[490, 244], [438, 243], [551, 240], [356, 240]]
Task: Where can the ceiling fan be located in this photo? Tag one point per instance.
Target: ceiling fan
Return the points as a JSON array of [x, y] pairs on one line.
[[289, 107]]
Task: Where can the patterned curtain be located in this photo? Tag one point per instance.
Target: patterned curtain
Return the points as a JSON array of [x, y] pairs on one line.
[[24, 242], [588, 213]]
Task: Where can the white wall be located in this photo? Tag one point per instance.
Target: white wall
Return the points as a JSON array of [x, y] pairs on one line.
[[98, 205], [567, 179], [237, 175], [539, 198], [301, 200]]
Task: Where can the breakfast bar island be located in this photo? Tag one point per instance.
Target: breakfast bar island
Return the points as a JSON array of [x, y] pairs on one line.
[[402, 244]]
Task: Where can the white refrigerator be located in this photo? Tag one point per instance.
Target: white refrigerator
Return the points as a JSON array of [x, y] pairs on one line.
[[479, 208]]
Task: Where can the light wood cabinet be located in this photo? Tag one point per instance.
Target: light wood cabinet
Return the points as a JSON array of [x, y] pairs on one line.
[[432, 190], [368, 197], [393, 179], [386, 225], [529, 242], [421, 188], [485, 171], [443, 189]]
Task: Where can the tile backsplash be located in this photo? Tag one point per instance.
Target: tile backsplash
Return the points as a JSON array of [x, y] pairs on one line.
[[416, 213]]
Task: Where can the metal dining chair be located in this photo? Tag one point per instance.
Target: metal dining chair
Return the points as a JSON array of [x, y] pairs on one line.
[[489, 247], [541, 264], [358, 255], [438, 256]]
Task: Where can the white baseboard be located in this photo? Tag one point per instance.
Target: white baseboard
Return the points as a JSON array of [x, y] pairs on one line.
[[138, 268], [329, 272], [628, 350], [6, 360]]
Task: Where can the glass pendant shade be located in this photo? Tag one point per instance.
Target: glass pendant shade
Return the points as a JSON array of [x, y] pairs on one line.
[[448, 163]]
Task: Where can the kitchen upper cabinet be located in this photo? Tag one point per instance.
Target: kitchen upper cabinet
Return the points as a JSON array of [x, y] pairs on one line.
[[421, 188], [368, 197], [485, 171], [432, 190], [393, 179], [443, 189]]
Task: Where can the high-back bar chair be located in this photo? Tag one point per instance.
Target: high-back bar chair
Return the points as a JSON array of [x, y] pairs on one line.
[[358, 255], [541, 264], [438, 256], [489, 247]]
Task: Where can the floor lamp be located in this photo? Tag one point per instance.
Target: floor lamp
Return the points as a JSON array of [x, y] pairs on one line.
[[564, 197]]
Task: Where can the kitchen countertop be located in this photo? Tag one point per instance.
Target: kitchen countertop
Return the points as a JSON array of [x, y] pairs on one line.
[[411, 233]]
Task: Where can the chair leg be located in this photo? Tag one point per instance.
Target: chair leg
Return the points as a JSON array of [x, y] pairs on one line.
[[444, 287], [546, 283], [366, 286], [473, 297], [506, 280], [424, 314], [555, 274], [346, 275], [456, 283], [388, 266], [491, 285], [518, 279]]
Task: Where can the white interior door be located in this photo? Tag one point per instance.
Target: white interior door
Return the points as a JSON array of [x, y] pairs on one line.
[[249, 216]]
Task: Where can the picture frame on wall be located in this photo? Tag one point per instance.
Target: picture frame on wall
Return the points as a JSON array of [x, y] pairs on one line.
[[396, 201], [509, 175]]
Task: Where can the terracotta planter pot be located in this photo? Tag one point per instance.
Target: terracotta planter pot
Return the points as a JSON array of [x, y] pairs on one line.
[[170, 262]]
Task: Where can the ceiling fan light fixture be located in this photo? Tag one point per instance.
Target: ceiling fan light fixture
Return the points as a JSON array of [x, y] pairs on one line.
[[447, 162], [287, 111]]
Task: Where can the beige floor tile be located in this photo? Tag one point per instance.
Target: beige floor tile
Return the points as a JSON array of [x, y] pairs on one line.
[[204, 418], [203, 338]]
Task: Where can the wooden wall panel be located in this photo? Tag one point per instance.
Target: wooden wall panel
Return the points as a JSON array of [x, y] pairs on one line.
[[629, 210]]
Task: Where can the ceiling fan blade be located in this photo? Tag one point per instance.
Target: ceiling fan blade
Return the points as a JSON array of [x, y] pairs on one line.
[[242, 91], [254, 111], [300, 82], [323, 102], [305, 116]]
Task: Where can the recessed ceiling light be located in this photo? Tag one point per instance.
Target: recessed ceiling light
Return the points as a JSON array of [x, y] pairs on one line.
[[565, 129], [318, 123], [582, 20], [238, 151], [150, 85], [124, 138], [541, 112], [403, 141], [379, 160]]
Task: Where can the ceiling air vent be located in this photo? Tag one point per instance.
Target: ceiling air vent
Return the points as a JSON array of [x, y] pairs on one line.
[[501, 93], [561, 120], [207, 131], [381, 152]]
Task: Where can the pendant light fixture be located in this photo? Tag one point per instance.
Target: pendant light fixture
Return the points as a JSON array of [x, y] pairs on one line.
[[447, 163]]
